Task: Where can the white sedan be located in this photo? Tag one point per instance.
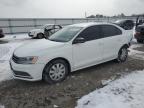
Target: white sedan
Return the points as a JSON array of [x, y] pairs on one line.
[[72, 48], [47, 29]]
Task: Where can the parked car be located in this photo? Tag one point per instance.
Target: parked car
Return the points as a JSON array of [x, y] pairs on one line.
[[1, 33], [72, 48], [125, 24], [44, 31], [139, 33]]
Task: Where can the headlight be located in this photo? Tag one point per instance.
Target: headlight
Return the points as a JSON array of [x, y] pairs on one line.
[[25, 60], [30, 60]]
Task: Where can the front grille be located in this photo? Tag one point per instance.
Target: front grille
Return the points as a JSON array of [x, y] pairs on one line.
[[21, 73], [17, 60]]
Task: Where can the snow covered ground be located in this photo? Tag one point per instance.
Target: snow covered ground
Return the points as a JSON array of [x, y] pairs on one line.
[[126, 92], [6, 51]]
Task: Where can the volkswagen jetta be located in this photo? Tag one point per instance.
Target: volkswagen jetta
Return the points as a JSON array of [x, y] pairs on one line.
[[72, 48]]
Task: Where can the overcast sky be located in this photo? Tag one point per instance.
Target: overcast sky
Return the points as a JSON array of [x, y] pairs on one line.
[[67, 8]]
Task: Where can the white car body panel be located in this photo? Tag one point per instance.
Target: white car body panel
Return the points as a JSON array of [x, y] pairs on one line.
[[83, 57]]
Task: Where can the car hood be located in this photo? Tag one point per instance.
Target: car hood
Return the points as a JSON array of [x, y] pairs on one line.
[[37, 48]]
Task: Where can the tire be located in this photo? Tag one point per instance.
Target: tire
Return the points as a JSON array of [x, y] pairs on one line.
[[52, 73], [126, 27], [40, 36], [140, 41], [122, 55]]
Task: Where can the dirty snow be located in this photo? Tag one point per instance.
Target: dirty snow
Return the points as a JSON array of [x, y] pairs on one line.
[[126, 92], [6, 51], [135, 53]]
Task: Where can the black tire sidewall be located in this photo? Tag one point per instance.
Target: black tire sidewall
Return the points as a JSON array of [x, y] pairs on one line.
[[119, 55], [46, 76], [40, 36]]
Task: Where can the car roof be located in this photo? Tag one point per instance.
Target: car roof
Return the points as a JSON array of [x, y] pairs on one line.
[[90, 24]]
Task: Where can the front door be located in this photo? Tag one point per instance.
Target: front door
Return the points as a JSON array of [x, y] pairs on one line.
[[88, 53]]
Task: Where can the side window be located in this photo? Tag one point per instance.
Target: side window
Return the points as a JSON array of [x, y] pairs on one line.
[[56, 28], [91, 33], [49, 27], [110, 30]]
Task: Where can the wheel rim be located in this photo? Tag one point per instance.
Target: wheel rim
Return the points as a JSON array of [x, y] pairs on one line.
[[124, 53], [57, 71], [40, 36]]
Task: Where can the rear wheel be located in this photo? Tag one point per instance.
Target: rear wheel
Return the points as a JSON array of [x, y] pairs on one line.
[[40, 36], [122, 54], [55, 71]]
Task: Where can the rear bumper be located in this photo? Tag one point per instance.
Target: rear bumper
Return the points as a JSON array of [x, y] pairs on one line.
[[27, 72]]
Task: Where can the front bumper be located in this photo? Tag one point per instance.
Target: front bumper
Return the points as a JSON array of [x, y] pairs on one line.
[[30, 34], [30, 72]]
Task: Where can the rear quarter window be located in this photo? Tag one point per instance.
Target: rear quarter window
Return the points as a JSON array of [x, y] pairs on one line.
[[110, 30]]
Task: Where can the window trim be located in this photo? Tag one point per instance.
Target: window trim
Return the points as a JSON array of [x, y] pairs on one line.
[[87, 28]]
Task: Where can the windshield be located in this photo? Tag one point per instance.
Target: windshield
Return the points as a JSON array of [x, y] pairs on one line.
[[65, 34], [46, 26]]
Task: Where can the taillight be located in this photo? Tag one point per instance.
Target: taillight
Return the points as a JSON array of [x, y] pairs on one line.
[[137, 34]]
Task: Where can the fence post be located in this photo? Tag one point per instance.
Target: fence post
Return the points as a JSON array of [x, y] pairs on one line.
[[72, 21], [87, 19], [55, 21], [10, 26], [35, 23], [108, 19]]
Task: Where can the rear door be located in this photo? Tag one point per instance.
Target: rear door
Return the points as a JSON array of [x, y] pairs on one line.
[[112, 41]]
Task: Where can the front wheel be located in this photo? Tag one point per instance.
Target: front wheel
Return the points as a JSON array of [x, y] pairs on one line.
[[122, 54], [55, 71], [40, 36]]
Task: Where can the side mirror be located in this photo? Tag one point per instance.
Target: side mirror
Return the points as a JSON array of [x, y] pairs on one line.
[[79, 40]]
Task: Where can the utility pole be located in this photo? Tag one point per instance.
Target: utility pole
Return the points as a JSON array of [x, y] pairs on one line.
[[85, 15]]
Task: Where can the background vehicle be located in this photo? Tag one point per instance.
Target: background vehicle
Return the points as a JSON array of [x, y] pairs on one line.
[[139, 29], [72, 48], [139, 20], [139, 33], [1, 33], [44, 31], [125, 24]]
